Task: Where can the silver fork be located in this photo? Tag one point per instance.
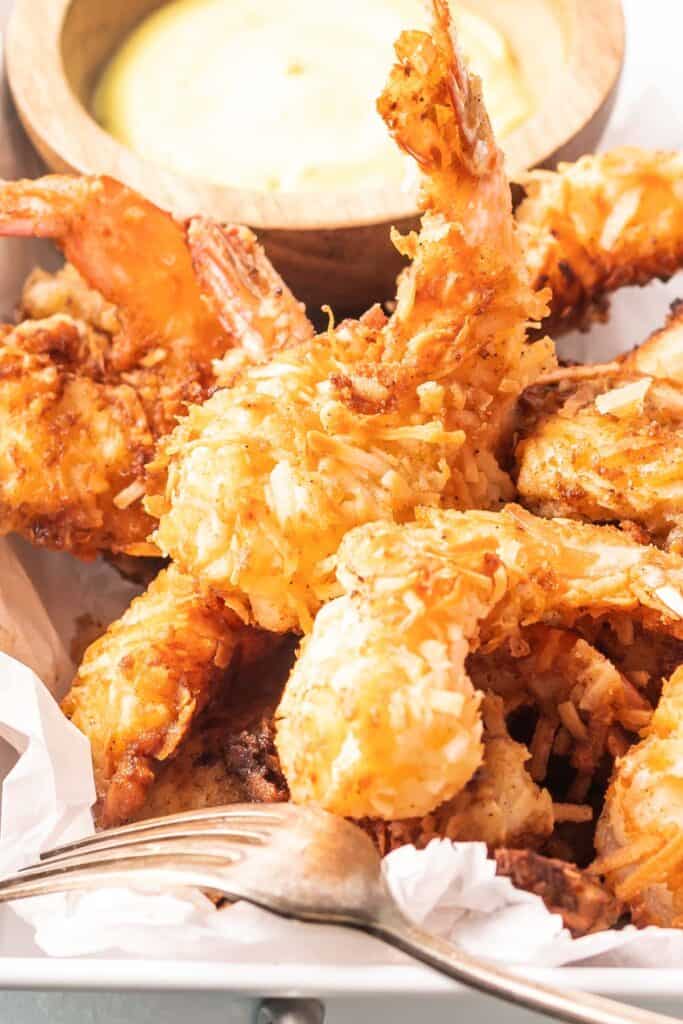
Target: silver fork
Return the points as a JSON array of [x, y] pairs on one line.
[[297, 862]]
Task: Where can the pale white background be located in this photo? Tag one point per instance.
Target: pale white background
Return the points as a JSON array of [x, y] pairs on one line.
[[653, 67]]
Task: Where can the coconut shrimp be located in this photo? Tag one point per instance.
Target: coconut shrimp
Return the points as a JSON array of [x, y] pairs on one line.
[[73, 449], [137, 257], [612, 452], [601, 223], [604, 443], [97, 376], [380, 717], [170, 320], [639, 838], [256, 488], [142, 683]]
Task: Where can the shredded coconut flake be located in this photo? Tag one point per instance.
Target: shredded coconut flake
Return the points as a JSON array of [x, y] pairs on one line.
[[125, 498], [624, 210], [672, 598], [624, 400]]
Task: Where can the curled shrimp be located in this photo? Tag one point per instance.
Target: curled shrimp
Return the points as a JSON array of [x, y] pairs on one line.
[[142, 683], [132, 253], [139, 258], [96, 376], [380, 717], [256, 488]]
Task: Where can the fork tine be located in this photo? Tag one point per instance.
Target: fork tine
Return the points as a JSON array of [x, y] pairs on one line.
[[155, 834], [162, 869], [237, 814], [227, 851]]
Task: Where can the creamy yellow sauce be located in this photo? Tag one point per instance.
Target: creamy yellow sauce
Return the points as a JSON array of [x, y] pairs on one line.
[[279, 95]]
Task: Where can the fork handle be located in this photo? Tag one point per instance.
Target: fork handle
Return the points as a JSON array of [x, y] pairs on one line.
[[569, 1005]]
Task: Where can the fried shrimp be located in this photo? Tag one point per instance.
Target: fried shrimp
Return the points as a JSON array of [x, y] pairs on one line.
[[73, 449], [601, 223], [612, 452], [142, 683], [133, 354], [256, 488], [229, 755], [65, 293], [137, 257], [379, 717], [639, 838]]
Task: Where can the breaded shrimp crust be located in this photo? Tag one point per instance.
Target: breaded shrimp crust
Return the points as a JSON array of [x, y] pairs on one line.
[[137, 257], [256, 488], [142, 683], [601, 223], [612, 452], [585, 706], [379, 717], [65, 291], [72, 449], [501, 805], [640, 837], [142, 347], [229, 754]]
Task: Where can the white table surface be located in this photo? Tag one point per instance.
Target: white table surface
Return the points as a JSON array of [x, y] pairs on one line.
[[653, 61]]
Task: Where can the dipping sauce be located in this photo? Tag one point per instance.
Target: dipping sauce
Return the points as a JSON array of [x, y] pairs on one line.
[[279, 95]]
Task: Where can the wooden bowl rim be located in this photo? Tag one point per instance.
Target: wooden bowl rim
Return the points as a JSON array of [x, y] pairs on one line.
[[67, 134]]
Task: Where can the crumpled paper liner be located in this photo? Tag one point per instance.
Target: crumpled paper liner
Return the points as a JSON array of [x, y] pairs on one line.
[[451, 889]]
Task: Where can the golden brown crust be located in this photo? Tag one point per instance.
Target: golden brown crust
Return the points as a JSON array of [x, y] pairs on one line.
[[639, 838], [501, 805], [255, 489], [379, 717], [136, 352], [141, 685], [229, 754], [601, 223], [612, 452], [73, 448], [66, 292], [583, 705]]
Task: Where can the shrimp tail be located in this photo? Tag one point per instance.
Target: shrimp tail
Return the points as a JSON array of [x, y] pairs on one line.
[[245, 291]]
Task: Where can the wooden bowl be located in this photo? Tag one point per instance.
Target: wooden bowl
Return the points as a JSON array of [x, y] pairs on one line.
[[330, 247]]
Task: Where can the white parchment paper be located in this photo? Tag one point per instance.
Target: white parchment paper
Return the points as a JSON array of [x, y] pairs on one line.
[[48, 789]]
